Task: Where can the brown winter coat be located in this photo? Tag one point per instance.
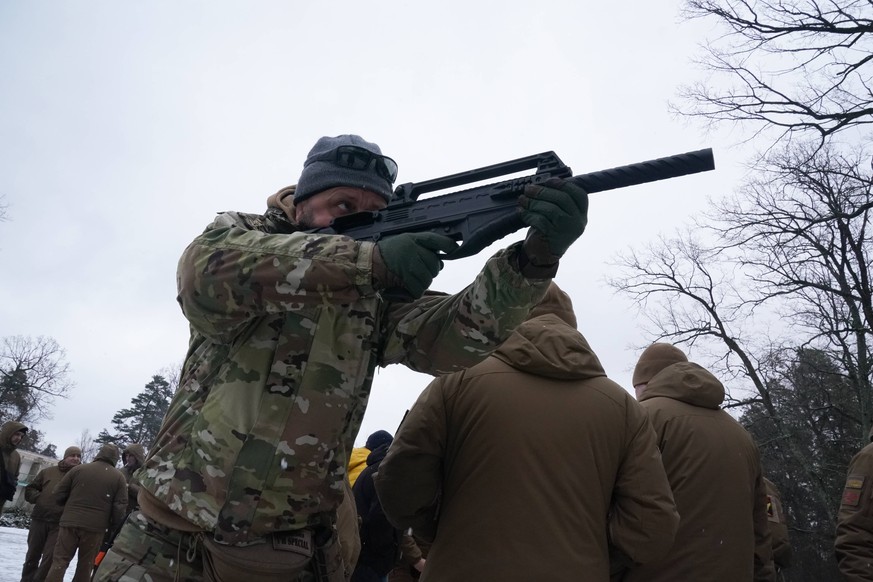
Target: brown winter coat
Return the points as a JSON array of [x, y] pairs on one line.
[[854, 541], [94, 495], [715, 471], [528, 465], [138, 452], [11, 460], [782, 552], [41, 490]]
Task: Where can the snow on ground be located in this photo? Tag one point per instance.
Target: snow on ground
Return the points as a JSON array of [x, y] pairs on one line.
[[13, 548]]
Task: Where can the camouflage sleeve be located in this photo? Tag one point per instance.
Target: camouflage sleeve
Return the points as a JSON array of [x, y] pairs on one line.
[[440, 334], [409, 481], [642, 519], [229, 274], [854, 539]]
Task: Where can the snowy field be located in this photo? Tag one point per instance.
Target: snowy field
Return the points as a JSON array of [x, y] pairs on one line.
[[13, 548]]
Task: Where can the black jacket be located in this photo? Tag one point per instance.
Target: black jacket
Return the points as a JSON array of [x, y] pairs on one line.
[[380, 541]]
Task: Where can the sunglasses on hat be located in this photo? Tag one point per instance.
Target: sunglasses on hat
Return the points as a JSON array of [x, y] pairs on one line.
[[358, 158]]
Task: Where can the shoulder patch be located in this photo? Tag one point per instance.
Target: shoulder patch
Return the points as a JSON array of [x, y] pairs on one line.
[[855, 482], [852, 492]]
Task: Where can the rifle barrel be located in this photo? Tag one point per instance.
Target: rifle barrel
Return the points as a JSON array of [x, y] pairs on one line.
[[649, 171]]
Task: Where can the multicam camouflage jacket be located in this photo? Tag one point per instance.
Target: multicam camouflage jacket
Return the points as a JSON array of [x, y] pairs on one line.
[[286, 332]]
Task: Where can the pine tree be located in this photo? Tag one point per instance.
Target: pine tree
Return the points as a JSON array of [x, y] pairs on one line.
[[817, 405], [140, 423]]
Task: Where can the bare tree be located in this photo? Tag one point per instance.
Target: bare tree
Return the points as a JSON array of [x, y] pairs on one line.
[[801, 231], [799, 66], [88, 446], [172, 373], [33, 372]]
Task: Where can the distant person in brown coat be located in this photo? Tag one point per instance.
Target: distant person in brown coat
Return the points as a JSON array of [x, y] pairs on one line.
[[854, 541], [715, 472], [45, 516], [11, 434], [531, 465], [132, 459], [782, 552], [94, 497]]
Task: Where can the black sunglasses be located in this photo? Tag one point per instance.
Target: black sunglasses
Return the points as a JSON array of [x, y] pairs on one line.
[[358, 158]]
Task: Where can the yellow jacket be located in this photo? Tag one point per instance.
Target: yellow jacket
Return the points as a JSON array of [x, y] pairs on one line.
[[357, 463]]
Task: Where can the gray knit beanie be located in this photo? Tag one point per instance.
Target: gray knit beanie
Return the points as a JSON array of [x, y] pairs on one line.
[[320, 174]]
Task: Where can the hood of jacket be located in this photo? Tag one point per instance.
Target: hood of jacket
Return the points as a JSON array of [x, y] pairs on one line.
[[64, 467], [686, 382], [108, 453], [138, 452], [7, 430], [547, 346], [377, 454]]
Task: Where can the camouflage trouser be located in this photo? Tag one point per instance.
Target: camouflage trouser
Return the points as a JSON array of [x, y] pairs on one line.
[[145, 548], [147, 551]]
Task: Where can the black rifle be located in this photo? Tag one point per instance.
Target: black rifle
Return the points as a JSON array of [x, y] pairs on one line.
[[479, 216]]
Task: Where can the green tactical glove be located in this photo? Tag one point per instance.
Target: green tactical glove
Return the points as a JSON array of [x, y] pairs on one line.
[[412, 259], [557, 212]]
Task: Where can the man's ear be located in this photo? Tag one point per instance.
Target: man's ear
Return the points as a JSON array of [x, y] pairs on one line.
[[293, 211]]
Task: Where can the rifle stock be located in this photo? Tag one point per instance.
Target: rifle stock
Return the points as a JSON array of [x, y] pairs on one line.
[[479, 216]]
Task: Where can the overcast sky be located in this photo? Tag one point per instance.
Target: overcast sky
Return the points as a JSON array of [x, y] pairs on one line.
[[125, 126]]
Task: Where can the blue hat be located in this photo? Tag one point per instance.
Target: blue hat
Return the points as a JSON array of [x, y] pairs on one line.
[[378, 438], [320, 172]]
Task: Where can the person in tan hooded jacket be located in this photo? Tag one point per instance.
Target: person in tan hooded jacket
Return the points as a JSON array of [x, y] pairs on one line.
[[776, 520], [715, 472], [11, 434], [531, 465], [94, 496]]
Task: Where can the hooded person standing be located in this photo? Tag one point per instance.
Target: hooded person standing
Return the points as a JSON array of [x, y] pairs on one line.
[[714, 470], [11, 434], [45, 516], [94, 498], [531, 465]]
